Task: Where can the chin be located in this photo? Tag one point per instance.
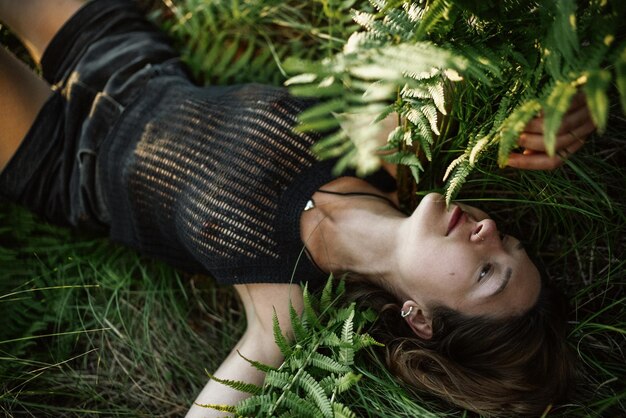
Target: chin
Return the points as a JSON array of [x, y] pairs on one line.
[[430, 211]]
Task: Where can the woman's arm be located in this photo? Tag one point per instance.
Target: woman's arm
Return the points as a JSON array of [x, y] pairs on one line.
[[257, 343]]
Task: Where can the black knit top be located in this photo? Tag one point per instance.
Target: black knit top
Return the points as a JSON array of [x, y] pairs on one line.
[[214, 179], [210, 179]]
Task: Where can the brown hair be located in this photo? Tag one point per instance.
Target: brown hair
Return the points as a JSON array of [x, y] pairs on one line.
[[513, 366]]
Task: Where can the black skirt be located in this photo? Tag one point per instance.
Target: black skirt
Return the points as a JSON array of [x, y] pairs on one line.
[[98, 64]]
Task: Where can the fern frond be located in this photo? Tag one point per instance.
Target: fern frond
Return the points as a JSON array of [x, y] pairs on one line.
[[346, 352], [330, 340], [236, 384], [430, 111], [513, 126], [279, 338], [436, 11], [247, 407], [316, 392], [342, 411], [327, 294], [310, 307], [365, 340], [554, 108], [257, 364], [417, 117], [326, 363], [346, 381], [278, 379], [222, 408], [453, 165], [462, 170], [562, 38], [597, 99], [300, 407], [299, 327], [477, 149]]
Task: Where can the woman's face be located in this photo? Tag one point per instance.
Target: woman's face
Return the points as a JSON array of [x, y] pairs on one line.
[[457, 257]]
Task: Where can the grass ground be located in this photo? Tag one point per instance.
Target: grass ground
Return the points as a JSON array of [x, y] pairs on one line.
[[92, 329]]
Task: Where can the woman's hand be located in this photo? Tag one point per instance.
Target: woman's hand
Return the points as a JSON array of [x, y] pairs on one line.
[[576, 127]]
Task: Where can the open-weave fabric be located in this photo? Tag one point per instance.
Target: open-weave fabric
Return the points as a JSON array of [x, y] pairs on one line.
[[214, 179], [210, 179]]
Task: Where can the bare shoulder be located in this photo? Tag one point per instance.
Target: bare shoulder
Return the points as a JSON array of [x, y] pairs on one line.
[[260, 300]]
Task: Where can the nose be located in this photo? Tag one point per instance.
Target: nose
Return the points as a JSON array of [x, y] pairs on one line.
[[484, 230]]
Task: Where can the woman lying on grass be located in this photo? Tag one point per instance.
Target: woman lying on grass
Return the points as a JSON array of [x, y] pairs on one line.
[[215, 180]]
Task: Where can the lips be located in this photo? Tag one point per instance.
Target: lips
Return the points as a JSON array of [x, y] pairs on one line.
[[455, 219]]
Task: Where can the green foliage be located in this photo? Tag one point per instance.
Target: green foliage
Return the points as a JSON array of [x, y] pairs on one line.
[[95, 330], [227, 42], [318, 364], [91, 329], [406, 55]]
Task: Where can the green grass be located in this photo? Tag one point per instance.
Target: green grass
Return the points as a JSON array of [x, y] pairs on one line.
[[90, 328]]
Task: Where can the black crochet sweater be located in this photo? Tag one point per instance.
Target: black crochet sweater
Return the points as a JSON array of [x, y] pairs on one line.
[[214, 180]]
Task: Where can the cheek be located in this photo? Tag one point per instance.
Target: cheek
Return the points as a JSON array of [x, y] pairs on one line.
[[444, 267]]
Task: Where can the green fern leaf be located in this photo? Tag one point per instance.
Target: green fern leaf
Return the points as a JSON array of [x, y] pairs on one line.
[[346, 352], [316, 393], [300, 407], [237, 385], [279, 338], [299, 327], [278, 379], [462, 170], [513, 126], [309, 307], [341, 315], [437, 11], [453, 166], [438, 96], [249, 406], [563, 38], [430, 111], [222, 408], [365, 340], [256, 364], [326, 363], [327, 294], [597, 100], [419, 121], [425, 143], [407, 158], [477, 149], [342, 411], [554, 108], [340, 289], [330, 340], [346, 381]]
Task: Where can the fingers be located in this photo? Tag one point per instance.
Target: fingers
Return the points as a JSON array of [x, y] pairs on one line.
[[577, 112], [533, 160], [576, 125], [572, 132]]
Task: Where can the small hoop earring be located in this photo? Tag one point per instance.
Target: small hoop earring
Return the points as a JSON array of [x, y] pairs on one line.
[[478, 235], [407, 313]]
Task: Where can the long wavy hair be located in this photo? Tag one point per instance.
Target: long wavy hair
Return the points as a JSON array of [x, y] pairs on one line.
[[496, 367]]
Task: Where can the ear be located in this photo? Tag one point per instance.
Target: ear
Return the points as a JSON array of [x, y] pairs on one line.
[[418, 320]]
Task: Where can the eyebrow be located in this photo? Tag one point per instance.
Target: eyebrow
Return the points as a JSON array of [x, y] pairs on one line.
[[507, 276]]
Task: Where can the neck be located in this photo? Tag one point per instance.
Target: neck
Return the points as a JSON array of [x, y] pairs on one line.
[[356, 234]]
